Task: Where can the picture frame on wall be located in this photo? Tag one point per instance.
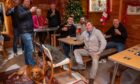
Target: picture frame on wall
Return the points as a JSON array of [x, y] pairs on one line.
[[133, 10], [97, 5]]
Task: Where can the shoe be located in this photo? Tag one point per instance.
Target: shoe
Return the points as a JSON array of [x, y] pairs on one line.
[[78, 67], [91, 81], [15, 54]]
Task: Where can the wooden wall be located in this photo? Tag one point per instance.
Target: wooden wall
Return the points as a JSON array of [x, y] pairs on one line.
[[132, 25], [118, 6]]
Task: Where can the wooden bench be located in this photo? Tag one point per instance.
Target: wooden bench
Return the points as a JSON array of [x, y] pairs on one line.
[[104, 54]]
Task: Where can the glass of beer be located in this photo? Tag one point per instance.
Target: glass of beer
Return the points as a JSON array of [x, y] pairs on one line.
[[78, 29]]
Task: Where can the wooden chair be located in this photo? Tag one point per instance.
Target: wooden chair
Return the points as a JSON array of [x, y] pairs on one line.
[[38, 52], [2, 49], [52, 65]]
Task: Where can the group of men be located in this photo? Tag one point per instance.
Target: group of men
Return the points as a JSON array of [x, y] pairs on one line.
[[21, 13], [94, 40]]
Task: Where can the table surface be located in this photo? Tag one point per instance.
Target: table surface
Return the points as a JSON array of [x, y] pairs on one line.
[[46, 29], [128, 57], [70, 41]]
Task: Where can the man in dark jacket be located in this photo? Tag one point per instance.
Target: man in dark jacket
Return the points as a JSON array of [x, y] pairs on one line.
[[53, 16], [68, 30], [25, 28], [11, 12], [117, 34]]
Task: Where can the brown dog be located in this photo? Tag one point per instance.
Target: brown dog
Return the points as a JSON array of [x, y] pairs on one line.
[[33, 73]]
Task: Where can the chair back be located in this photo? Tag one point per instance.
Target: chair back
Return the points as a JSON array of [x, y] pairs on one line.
[[47, 52], [38, 47]]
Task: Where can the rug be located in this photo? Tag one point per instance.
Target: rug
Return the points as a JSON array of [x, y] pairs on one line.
[[74, 78], [4, 79]]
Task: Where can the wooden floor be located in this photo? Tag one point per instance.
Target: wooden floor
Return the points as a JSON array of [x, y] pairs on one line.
[[18, 61]]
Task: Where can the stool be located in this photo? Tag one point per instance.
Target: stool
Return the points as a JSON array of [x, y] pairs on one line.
[[54, 39]]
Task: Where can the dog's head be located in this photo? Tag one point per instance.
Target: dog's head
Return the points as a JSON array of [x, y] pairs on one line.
[[36, 73]]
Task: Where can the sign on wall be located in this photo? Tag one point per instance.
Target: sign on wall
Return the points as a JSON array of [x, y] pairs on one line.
[[97, 5], [133, 10]]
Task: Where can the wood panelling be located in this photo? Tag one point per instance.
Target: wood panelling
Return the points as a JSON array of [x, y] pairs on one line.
[[132, 25], [133, 28], [95, 16], [118, 11]]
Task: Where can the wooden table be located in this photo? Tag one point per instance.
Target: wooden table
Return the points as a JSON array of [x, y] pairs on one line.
[[45, 29], [72, 41], [128, 57]]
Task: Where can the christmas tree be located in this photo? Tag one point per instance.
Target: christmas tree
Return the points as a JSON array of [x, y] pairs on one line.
[[73, 8]]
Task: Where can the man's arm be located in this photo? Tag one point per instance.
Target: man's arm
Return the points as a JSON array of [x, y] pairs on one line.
[[59, 18], [123, 32], [9, 12], [102, 41], [108, 33], [48, 14], [21, 13]]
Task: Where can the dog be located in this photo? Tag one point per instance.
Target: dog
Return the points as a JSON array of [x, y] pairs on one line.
[[33, 73]]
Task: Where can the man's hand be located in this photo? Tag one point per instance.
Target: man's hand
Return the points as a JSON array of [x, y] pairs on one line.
[[53, 13], [107, 36], [117, 31], [97, 53], [9, 4], [64, 29]]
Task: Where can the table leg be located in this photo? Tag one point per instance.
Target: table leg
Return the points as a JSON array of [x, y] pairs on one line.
[[71, 48], [114, 72], [34, 40]]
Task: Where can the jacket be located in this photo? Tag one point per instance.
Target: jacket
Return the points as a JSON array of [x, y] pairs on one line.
[[95, 42], [38, 21], [117, 38], [24, 17], [53, 21], [57, 55], [70, 32], [11, 12]]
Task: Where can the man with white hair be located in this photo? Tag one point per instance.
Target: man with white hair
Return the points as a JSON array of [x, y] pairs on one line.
[[95, 43]]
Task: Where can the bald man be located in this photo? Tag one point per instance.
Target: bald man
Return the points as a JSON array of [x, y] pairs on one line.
[[117, 35]]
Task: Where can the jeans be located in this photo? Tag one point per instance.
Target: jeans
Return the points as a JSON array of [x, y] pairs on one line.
[[78, 53], [117, 45], [16, 37], [15, 40], [28, 48], [66, 49]]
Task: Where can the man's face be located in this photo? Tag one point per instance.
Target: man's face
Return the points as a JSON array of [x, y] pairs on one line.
[[70, 20], [53, 6], [26, 3], [89, 26], [116, 23], [82, 20], [16, 2]]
